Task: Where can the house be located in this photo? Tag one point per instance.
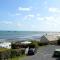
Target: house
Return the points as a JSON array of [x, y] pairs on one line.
[[5, 45], [49, 38], [43, 39]]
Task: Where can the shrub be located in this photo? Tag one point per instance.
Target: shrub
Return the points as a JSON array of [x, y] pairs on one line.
[[58, 41], [42, 44], [34, 44], [11, 53]]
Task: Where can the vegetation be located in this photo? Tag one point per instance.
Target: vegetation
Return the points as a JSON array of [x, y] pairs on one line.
[[3, 49], [42, 44], [18, 58], [58, 41], [12, 53], [17, 51], [37, 43]]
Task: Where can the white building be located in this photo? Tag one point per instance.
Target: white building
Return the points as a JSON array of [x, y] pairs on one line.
[[5, 45], [26, 42]]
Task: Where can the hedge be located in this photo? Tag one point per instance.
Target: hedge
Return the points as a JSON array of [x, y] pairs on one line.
[[11, 53]]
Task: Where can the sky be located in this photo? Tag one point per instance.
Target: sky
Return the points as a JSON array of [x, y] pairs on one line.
[[30, 15]]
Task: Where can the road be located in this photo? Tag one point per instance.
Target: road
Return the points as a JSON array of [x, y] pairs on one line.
[[44, 53]]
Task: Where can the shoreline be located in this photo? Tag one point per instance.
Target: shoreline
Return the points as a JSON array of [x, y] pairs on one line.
[[31, 37]]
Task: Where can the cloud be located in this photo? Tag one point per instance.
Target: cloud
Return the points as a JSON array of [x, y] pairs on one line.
[[29, 16], [17, 14], [46, 18], [49, 22], [54, 10], [45, 2], [14, 14], [40, 18], [11, 23], [18, 24], [38, 14], [6, 22], [52, 22], [24, 8], [49, 18]]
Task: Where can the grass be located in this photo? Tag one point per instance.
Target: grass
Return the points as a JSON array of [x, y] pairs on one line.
[[18, 58], [3, 49]]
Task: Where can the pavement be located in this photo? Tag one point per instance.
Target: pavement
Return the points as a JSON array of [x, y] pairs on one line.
[[44, 53]]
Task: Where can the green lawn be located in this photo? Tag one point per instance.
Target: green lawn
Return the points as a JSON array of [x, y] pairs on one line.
[[18, 58]]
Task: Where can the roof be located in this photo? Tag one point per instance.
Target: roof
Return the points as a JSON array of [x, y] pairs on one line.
[[53, 36], [57, 50], [25, 42]]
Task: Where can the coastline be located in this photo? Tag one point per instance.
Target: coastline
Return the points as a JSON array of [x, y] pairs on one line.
[[24, 36], [18, 35]]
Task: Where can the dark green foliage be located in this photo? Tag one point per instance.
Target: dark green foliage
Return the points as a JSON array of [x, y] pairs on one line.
[[34, 44], [38, 43], [42, 44], [58, 41], [13, 46]]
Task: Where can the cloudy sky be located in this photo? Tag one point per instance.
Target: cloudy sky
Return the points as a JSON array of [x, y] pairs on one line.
[[30, 15]]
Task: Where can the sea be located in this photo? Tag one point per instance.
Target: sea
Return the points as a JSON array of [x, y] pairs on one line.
[[20, 35]]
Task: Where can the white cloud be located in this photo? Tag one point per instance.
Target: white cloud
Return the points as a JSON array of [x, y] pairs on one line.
[[49, 22], [18, 24], [45, 2], [52, 22], [40, 18], [14, 14], [6, 22], [24, 8], [17, 14], [38, 14], [49, 18], [29, 16], [54, 10], [11, 23]]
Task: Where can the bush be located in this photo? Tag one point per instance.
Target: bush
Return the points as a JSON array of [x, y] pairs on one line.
[[11, 53], [5, 54], [42, 44], [58, 41], [34, 44], [37, 43]]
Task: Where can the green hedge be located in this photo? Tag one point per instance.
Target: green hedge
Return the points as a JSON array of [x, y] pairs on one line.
[[38, 43], [11, 53], [58, 41], [42, 44]]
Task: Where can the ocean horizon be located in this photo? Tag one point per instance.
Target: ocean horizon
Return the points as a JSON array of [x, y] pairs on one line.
[[20, 35]]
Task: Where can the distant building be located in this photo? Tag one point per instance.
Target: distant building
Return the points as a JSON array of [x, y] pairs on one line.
[[26, 42], [49, 38], [5, 45], [43, 39]]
